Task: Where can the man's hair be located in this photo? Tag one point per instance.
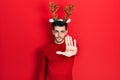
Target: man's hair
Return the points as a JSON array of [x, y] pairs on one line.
[[59, 23]]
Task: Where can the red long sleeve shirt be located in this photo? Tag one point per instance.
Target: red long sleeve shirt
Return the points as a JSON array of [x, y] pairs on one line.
[[54, 66]]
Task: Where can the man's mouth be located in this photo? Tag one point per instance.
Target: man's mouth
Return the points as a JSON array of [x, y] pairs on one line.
[[59, 38]]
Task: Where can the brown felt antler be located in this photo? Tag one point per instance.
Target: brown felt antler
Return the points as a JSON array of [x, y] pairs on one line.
[[68, 10], [53, 10]]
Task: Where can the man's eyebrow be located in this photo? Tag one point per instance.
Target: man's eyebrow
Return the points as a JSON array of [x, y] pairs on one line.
[[62, 30], [55, 30]]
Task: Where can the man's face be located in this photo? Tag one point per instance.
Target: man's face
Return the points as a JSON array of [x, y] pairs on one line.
[[59, 33]]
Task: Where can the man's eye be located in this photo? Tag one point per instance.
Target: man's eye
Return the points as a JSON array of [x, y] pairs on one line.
[[62, 31]]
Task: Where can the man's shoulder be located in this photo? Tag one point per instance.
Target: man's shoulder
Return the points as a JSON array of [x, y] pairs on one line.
[[47, 47]]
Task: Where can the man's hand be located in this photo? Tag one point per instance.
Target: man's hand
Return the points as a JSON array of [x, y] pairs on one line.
[[71, 48]]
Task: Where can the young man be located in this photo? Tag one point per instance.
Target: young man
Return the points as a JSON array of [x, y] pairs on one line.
[[57, 58]]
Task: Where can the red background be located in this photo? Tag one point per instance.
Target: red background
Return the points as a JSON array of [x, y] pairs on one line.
[[95, 24]]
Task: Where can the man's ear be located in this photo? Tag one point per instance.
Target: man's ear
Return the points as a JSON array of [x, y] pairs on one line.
[[66, 32], [53, 32]]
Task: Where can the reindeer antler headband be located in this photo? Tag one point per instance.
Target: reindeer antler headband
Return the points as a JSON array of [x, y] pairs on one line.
[[68, 11]]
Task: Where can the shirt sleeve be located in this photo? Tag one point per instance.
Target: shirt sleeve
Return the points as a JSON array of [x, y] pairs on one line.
[[43, 62]]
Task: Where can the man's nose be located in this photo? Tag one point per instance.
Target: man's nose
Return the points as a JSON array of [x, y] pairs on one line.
[[59, 33]]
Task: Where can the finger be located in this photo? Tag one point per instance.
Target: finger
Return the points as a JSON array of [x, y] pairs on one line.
[[68, 40], [71, 42], [59, 52], [75, 43], [62, 53]]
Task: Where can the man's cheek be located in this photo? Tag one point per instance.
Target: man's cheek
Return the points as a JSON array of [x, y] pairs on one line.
[[55, 36]]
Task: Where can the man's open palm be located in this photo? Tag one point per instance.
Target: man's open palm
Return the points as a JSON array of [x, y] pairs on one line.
[[71, 48]]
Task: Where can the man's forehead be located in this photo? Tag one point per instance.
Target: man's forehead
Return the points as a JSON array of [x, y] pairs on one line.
[[59, 27]]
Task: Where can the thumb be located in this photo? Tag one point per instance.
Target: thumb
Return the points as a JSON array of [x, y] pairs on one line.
[[59, 52]]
